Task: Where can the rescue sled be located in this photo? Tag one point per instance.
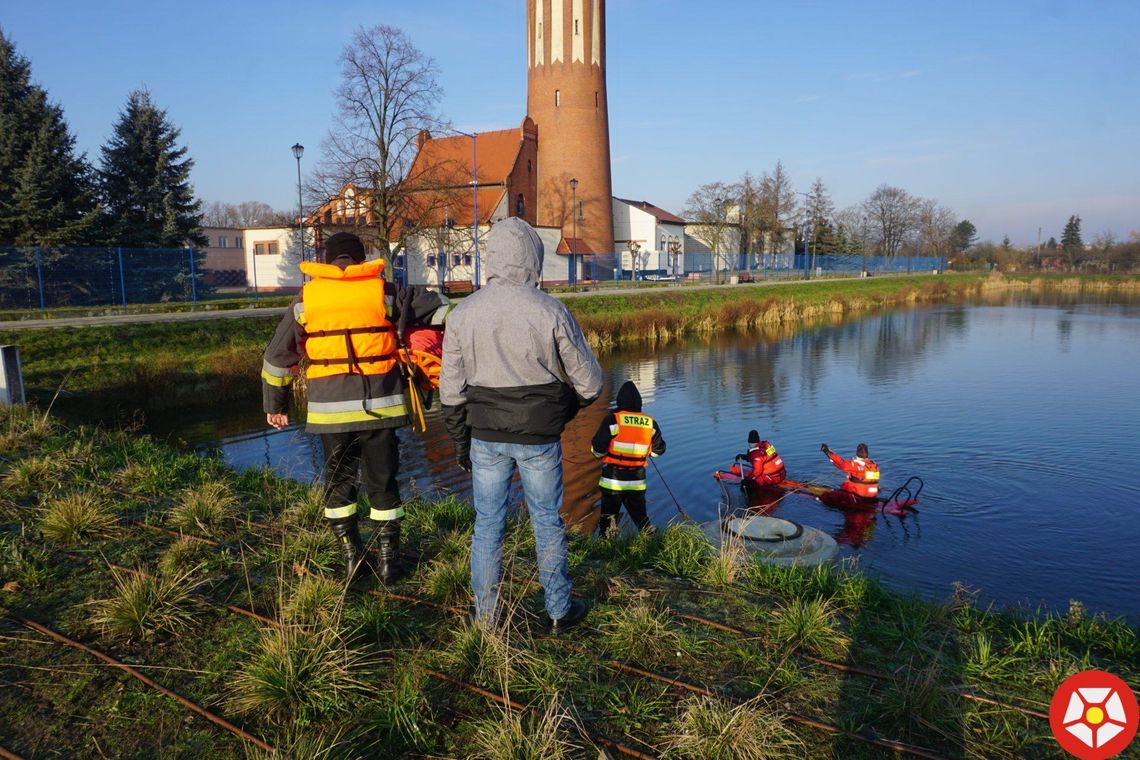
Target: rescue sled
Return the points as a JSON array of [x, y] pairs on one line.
[[902, 499], [773, 540]]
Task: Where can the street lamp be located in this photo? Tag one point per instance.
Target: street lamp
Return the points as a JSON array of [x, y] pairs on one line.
[[298, 151], [574, 240], [474, 193], [807, 226], [863, 247], [634, 250], [721, 218]]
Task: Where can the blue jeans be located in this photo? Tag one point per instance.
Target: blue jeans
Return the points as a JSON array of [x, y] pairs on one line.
[[540, 467]]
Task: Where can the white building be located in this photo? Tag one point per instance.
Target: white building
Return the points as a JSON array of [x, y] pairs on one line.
[[272, 256], [648, 239]]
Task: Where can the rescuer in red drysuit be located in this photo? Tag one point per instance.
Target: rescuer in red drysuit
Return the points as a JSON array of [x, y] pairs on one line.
[[861, 489], [766, 466]]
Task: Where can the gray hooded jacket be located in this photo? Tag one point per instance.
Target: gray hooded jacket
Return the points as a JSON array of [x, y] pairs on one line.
[[516, 367]]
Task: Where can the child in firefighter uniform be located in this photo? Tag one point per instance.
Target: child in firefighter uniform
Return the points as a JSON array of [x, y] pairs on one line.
[[344, 321], [624, 442]]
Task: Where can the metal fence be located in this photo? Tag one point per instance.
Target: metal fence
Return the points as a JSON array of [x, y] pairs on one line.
[[674, 267], [44, 277]]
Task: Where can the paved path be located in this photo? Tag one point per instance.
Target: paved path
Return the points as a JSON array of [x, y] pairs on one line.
[[124, 319], [189, 316]]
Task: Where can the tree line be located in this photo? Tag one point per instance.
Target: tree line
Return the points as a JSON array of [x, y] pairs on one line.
[[1103, 253], [769, 213]]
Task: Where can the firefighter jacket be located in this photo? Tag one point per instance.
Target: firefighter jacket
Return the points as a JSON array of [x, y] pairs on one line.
[[862, 475], [344, 323], [624, 442], [767, 465]]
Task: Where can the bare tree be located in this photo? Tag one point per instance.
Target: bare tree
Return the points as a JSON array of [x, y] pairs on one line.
[[892, 217], [851, 231], [937, 223], [245, 214], [707, 209], [747, 190], [387, 95], [777, 205]]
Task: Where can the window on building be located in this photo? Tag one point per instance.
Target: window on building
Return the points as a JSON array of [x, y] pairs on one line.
[[576, 32], [467, 259], [580, 210], [431, 259], [237, 242], [520, 205], [528, 167], [596, 101], [540, 30], [662, 248], [267, 248], [455, 259], [557, 98], [223, 241]]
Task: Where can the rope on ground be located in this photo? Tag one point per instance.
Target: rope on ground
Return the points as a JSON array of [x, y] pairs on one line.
[[133, 672]]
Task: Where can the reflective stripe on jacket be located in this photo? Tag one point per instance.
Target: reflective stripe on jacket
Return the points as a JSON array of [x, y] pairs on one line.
[[767, 465], [862, 475], [346, 320], [632, 439]]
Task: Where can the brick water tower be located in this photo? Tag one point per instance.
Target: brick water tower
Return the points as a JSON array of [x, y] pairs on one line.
[[566, 98]]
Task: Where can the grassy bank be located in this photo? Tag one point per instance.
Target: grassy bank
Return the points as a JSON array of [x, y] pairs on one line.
[[151, 557], [662, 315], [169, 365]]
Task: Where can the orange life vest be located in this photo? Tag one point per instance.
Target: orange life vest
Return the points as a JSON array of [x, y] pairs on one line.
[[862, 478], [632, 441], [766, 463], [346, 319]]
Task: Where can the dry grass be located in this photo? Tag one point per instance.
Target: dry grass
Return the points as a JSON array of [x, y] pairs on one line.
[[511, 735], [316, 600], [208, 508], [710, 729], [75, 517], [300, 674], [144, 607]]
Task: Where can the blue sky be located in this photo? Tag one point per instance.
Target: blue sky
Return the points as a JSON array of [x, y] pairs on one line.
[[1015, 114]]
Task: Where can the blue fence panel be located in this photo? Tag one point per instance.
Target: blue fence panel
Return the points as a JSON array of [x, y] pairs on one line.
[[51, 277]]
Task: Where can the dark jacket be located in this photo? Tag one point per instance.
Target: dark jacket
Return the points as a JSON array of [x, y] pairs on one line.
[[346, 392], [516, 367]]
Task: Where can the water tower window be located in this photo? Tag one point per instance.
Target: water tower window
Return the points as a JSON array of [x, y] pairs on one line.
[[576, 32], [528, 170], [520, 206], [595, 99], [557, 98]]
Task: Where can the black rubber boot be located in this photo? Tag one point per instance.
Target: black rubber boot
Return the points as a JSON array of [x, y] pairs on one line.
[[355, 557], [388, 562]]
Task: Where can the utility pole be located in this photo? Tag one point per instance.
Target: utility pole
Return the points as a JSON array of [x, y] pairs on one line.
[[1038, 248]]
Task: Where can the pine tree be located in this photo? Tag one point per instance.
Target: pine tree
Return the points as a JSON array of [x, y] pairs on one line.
[[820, 210], [1071, 242], [46, 191], [145, 180]]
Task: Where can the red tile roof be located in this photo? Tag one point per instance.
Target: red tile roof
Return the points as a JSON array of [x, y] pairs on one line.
[[661, 214], [433, 209], [577, 244], [447, 160]]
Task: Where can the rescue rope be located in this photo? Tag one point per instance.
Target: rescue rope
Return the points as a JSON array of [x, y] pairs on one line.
[[680, 509]]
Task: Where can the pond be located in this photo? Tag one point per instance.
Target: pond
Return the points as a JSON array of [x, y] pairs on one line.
[[1022, 419]]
